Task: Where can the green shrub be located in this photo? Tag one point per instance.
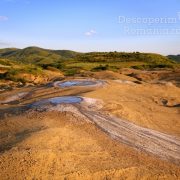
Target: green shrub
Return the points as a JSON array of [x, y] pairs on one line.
[[71, 72], [152, 66], [139, 67], [101, 68], [50, 68]]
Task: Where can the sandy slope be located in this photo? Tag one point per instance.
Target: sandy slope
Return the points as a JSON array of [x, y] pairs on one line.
[[54, 145], [60, 145], [143, 104], [162, 145]]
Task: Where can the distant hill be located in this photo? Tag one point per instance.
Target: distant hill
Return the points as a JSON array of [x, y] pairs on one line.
[[175, 58], [66, 53], [16, 63], [36, 55], [123, 57], [60, 58], [7, 51]]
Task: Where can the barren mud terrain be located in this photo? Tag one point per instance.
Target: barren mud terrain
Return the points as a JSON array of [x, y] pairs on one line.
[[114, 126]]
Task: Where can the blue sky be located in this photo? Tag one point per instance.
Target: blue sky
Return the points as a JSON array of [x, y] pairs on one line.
[[91, 25]]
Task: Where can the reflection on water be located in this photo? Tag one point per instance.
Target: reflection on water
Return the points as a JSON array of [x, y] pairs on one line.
[[77, 83], [67, 100], [58, 100]]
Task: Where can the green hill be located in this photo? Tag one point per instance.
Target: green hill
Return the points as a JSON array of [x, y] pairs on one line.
[[37, 56], [66, 53], [32, 55], [175, 58], [7, 51], [123, 57], [30, 59]]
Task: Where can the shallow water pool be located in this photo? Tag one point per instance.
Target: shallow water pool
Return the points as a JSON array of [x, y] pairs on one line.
[[66, 100], [78, 83], [58, 100]]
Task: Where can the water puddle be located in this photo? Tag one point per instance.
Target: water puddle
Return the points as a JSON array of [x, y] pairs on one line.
[[78, 83], [65, 100], [58, 100]]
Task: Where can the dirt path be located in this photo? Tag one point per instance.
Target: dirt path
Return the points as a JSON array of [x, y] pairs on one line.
[[162, 145]]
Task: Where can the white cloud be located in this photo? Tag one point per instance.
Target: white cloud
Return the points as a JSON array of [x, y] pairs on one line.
[[3, 18], [90, 33]]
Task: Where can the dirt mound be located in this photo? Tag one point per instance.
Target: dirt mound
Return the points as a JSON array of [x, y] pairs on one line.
[[55, 145], [157, 76], [40, 79], [111, 75], [61, 144]]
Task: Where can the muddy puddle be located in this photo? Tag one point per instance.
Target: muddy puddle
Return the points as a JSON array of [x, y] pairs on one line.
[[143, 139], [58, 100], [72, 83]]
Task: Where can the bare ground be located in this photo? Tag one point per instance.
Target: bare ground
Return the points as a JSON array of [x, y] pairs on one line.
[[65, 145]]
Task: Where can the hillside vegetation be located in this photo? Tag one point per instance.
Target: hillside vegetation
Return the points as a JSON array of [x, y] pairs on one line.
[[37, 62], [175, 58]]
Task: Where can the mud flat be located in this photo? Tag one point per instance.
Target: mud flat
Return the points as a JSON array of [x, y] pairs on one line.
[[117, 131], [160, 144], [125, 82], [13, 98]]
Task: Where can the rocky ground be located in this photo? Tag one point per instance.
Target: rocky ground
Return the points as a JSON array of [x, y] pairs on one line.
[[73, 141]]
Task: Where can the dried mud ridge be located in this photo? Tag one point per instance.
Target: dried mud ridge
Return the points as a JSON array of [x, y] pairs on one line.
[[162, 145]]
